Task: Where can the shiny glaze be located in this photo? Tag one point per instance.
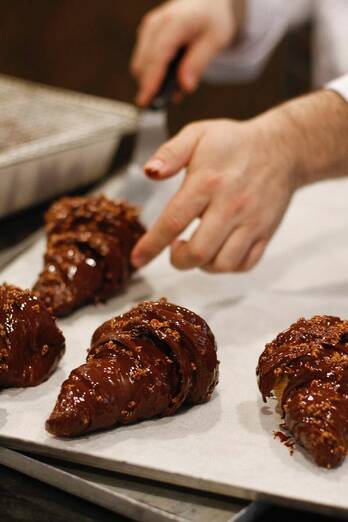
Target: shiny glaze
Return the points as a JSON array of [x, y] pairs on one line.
[[145, 363], [89, 241], [309, 364], [286, 440], [30, 342]]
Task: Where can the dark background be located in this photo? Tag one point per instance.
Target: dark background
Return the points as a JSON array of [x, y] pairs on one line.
[[86, 46]]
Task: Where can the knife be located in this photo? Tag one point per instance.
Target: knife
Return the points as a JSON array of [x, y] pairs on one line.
[[152, 129], [152, 132]]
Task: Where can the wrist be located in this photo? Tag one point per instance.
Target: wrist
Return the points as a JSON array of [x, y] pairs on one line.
[[289, 139], [312, 134], [279, 139]]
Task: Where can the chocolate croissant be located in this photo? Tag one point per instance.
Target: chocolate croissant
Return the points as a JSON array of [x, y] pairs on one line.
[[145, 363], [31, 344], [89, 241], [306, 368]]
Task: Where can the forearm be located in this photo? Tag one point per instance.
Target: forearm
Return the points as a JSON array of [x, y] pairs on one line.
[[312, 133]]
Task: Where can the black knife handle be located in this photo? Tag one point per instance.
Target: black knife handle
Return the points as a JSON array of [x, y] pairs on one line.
[[169, 84]]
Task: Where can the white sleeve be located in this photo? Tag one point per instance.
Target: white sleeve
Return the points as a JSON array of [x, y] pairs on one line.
[[330, 56], [266, 24], [340, 85]]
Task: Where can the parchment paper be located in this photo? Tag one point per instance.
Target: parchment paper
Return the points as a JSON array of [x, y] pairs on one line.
[[226, 445]]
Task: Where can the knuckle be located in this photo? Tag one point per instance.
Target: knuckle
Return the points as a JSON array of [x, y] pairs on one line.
[[254, 256], [158, 17], [223, 267], [197, 255], [146, 25], [243, 204], [149, 20], [245, 267], [177, 261], [173, 224], [233, 207], [165, 17], [167, 151], [195, 128], [211, 183], [191, 127]]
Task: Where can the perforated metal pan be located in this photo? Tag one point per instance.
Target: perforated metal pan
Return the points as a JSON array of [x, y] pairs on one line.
[[53, 141]]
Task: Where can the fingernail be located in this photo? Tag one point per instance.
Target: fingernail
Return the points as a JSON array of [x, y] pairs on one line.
[[190, 82], [154, 168]]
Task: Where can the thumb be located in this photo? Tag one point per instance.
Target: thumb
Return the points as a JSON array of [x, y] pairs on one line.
[[175, 154], [195, 62]]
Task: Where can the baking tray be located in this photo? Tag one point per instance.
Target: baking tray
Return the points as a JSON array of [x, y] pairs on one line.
[[225, 446], [53, 140], [144, 501]]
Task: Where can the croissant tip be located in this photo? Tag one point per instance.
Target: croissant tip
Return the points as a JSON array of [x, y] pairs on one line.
[[312, 395], [89, 241], [55, 300], [56, 425], [52, 424], [66, 424]]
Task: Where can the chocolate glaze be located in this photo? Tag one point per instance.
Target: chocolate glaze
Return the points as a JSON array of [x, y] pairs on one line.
[[89, 241], [142, 364], [30, 342], [307, 367], [286, 440]]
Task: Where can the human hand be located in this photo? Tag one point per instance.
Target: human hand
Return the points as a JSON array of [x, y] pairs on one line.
[[203, 27], [240, 179]]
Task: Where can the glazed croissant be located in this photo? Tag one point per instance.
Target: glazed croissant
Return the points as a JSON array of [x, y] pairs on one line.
[[142, 364], [89, 241], [307, 369], [30, 342]]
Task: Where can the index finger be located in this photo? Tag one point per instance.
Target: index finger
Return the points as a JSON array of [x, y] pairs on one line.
[[154, 50], [182, 209]]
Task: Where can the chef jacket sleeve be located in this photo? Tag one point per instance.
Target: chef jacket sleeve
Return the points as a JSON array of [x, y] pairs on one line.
[[265, 25], [340, 85]]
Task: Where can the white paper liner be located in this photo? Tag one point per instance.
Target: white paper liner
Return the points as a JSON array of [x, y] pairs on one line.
[[226, 445]]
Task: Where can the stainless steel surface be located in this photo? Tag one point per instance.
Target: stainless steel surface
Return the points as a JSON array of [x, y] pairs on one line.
[[10, 253], [152, 132], [139, 500], [53, 140]]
